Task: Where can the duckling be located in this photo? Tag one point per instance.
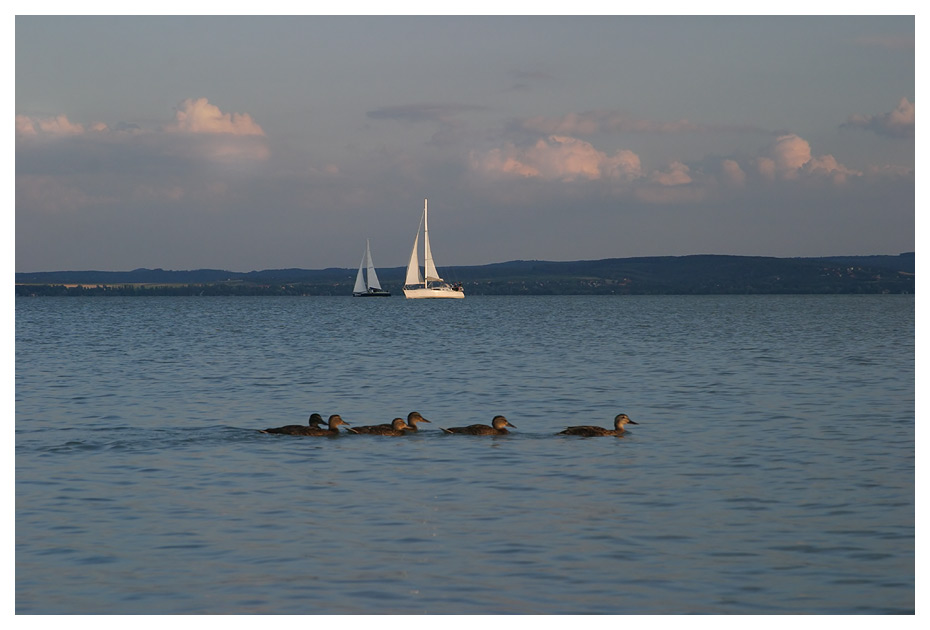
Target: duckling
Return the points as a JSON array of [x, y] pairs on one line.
[[397, 427], [412, 418], [298, 429], [590, 431], [496, 428]]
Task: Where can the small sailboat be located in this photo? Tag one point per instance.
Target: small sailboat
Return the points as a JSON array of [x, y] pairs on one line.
[[429, 285], [371, 288]]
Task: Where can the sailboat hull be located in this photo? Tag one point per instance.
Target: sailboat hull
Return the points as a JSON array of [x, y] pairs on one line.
[[372, 293], [435, 292]]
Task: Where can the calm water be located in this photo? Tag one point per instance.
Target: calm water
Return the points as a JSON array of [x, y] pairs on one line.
[[772, 470]]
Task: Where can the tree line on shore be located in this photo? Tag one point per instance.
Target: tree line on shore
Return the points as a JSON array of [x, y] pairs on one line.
[[666, 275]]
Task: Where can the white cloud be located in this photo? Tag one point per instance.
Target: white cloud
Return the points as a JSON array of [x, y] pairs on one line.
[[559, 158], [790, 158], [27, 126], [787, 161], [788, 154], [217, 136], [200, 116]]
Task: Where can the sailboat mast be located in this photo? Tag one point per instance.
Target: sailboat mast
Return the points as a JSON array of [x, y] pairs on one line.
[[367, 262], [426, 252]]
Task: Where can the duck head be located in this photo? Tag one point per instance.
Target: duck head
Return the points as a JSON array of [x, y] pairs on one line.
[[335, 420], [499, 422], [414, 416], [621, 420]]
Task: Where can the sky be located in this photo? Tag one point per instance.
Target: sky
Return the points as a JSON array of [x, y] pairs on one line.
[[266, 142]]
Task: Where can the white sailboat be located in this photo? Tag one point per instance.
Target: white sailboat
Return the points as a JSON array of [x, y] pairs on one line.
[[371, 288], [429, 285]]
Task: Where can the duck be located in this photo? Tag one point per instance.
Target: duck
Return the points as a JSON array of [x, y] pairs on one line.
[[397, 427], [314, 422], [333, 428], [333, 423], [412, 418], [591, 431], [497, 427]]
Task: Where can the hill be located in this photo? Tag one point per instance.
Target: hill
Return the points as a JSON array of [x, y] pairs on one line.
[[699, 274]]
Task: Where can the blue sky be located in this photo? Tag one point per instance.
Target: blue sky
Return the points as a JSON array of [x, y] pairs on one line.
[[251, 142]]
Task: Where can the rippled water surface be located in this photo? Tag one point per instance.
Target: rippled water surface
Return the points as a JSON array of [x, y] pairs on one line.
[[772, 469]]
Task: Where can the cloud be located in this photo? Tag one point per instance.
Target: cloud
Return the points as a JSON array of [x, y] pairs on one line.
[[676, 175], [677, 184], [611, 121], [827, 166], [790, 158], [57, 126], [890, 171], [558, 158], [216, 136], [732, 174], [788, 162], [200, 131], [898, 123], [198, 116], [786, 156], [63, 166]]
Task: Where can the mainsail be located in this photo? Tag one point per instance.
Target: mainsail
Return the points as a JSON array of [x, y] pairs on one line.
[[372, 276], [432, 275]]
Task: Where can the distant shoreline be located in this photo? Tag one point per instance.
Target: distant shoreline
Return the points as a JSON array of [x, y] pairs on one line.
[[662, 275]]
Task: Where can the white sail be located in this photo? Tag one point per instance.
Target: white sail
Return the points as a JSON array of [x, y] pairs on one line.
[[372, 276], [429, 270], [359, 279], [413, 267]]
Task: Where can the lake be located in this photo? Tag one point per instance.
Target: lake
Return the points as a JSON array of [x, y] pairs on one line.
[[771, 470]]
